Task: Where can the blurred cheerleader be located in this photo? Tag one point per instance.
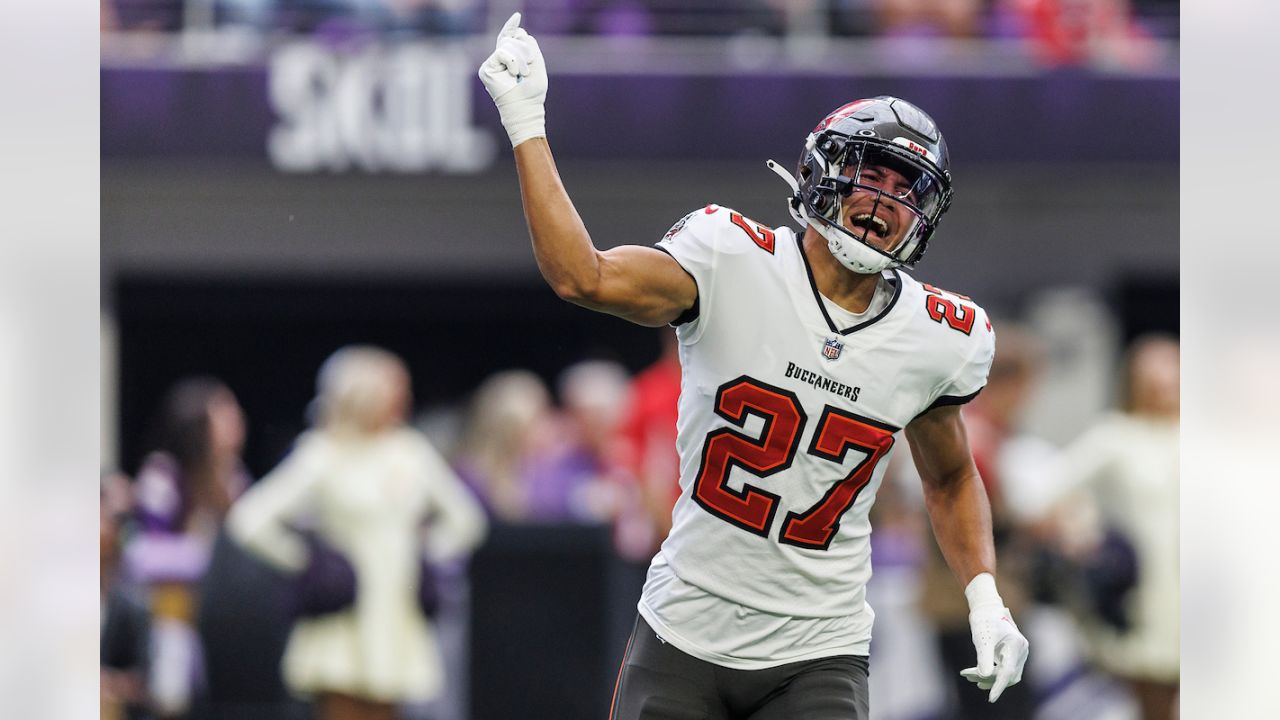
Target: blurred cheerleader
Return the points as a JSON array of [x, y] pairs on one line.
[[374, 490]]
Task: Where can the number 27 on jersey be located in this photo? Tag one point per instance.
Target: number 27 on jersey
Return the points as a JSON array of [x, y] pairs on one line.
[[753, 508]]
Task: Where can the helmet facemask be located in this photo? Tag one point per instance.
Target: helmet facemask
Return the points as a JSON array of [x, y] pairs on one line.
[[875, 202]]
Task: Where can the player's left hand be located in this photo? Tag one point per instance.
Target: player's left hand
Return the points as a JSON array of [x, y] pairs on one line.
[[1002, 650]]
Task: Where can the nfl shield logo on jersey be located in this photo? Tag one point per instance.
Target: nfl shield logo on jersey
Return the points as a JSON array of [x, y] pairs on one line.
[[831, 349]]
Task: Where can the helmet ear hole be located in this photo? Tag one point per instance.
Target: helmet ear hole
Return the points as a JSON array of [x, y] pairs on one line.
[[823, 200]]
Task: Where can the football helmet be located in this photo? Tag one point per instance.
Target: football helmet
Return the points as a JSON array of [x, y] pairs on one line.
[[874, 179]]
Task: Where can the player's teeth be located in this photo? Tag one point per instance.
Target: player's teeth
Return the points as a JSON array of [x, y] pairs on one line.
[[880, 226]]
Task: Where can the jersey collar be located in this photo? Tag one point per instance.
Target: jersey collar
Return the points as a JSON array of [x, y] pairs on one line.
[[895, 280]]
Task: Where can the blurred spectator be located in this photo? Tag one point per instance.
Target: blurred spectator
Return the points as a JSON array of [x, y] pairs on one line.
[[648, 435], [257, 14], [508, 423], [143, 15], [363, 485], [1078, 32], [577, 480], [634, 18], [1064, 32], [618, 18], [124, 648], [187, 483], [184, 489], [343, 17], [928, 18], [107, 20], [433, 17], [1121, 526], [851, 17], [708, 18]]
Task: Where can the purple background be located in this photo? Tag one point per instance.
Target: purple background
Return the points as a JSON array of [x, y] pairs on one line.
[[1066, 116]]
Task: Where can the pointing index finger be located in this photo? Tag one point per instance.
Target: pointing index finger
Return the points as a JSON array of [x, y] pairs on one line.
[[512, 24]]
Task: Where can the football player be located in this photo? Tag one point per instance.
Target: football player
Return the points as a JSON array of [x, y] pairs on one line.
[[803, 356]]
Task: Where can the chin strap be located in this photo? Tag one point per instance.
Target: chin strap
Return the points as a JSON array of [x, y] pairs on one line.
[[793, 203]]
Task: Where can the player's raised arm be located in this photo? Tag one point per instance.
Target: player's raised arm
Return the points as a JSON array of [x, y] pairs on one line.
[[641, 284]]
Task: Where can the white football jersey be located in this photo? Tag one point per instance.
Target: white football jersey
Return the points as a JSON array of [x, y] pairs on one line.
[[787, 420]]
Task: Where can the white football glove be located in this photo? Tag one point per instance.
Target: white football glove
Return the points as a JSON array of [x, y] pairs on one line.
[[1002, 649], [516, 77]]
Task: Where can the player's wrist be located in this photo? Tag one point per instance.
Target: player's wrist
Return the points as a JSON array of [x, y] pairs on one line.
[[523, 121], [981, 593]]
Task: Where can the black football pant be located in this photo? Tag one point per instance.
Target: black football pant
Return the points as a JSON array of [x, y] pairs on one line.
[[659, 682]]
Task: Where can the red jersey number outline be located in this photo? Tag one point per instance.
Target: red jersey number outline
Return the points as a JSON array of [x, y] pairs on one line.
[[752, 508]]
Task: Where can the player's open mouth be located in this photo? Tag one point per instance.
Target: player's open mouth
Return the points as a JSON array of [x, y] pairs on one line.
[[871, 224]]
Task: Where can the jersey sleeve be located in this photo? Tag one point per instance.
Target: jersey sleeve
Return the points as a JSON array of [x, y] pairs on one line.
[[691, 242], [971, 376]]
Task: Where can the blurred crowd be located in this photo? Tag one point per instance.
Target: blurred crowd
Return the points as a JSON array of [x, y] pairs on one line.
[[350, 556], [1087, 540], [1061, 31]]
